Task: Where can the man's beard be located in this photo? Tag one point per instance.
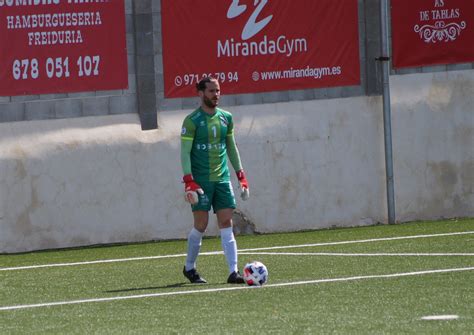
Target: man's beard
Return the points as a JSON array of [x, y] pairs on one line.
[[209, 103]]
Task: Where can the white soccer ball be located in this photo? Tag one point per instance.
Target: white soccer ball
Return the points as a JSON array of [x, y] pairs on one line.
[[255, 273]]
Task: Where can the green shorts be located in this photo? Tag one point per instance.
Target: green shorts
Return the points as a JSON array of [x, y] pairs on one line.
[[219, 195]]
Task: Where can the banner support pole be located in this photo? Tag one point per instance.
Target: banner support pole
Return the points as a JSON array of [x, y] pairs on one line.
[[385, 63]]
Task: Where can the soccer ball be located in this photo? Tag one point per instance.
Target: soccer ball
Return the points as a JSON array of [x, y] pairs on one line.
[[255, 273]]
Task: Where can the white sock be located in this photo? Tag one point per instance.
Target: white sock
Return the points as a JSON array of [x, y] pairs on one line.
[[229, 245], [194, 245]]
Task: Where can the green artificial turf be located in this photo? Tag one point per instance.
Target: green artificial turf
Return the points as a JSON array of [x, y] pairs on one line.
[[304, 304]]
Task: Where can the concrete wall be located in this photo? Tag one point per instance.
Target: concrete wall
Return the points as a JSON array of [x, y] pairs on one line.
[[433, 133], [102, 180], [86, 181], [311, 164]]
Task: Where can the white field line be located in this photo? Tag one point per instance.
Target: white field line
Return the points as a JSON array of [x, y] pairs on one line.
[[101, 261], [362, 241], [354, 254], [234, 288], [440, 317], [240, 251]]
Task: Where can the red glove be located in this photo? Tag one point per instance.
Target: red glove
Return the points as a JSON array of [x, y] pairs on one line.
[[244, 185], [191, 189]]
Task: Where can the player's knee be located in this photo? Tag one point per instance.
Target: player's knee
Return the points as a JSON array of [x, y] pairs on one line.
[[200, 226], [225, 224]]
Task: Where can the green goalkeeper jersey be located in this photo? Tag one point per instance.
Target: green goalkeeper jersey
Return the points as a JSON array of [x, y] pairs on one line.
[[206, 140]]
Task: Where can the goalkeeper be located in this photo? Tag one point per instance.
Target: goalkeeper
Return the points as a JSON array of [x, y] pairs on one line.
[[207, 138]]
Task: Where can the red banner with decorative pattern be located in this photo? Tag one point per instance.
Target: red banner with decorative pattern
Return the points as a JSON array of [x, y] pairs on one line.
[[257, 46], [429, 32], [58, 46]]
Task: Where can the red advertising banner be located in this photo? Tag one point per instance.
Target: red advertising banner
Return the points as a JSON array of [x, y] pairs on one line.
[[428, 32], [53, 46], [256, 46]]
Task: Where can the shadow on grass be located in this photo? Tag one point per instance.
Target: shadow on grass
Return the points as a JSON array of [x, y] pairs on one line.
[[147, 288]]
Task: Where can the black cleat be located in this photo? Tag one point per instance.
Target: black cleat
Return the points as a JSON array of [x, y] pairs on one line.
[[235, 278], [193, 276]]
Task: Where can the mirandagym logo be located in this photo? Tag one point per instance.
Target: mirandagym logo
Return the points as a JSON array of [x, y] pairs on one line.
[[281, 45]]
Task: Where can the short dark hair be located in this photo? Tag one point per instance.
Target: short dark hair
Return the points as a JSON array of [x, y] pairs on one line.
[[201, 85]]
